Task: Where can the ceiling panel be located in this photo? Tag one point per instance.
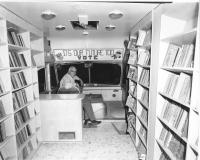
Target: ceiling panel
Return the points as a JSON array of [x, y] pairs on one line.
[[66, 11]]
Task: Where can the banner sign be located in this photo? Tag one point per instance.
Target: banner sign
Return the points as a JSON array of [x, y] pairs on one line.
[[88, 54]]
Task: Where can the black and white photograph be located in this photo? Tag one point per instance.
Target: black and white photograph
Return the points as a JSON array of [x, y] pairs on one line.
[[99, 80]]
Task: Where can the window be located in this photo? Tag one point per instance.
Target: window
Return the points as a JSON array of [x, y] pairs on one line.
[[90, 72], [105, 73]]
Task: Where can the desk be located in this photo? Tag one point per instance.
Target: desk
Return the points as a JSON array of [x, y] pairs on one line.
[[61, 117]]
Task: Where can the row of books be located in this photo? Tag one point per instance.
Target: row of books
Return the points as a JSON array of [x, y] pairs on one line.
[[144, 38], [143, 132], [143, 56], [2, 110], [133, 88], [179, 86], [176, 117], [179, 56], [143, 96], [18, 79], [2, 87], [17, 59], [132, 132], [19, 99], [132, 73], [173, 143], [131, 103], [15, 38], [144, 77], [144, 115], [133, 57], [132, 119], [23, 135], [21, 117], [132, 42], [141, 147], [2, 132]]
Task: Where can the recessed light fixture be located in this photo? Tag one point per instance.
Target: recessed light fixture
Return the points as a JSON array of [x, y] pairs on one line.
[[116, 14], [60, 27], [85, 33], [110, 27], [48, 15]]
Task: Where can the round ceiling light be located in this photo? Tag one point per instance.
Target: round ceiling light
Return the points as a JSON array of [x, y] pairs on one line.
[[110, 27], [60, 27], [85, 33], [116, 14], [48, 15]]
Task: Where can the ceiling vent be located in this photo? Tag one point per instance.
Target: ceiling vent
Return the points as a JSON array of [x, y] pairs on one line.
[[91, 25]]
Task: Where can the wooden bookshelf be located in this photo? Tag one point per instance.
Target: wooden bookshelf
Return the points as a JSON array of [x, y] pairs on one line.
[[180, 40], [167, 151], [17, 48], [145, 63]]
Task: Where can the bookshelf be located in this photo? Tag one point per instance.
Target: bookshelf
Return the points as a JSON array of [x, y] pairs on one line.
[[143, 64], [177, 108], [22, 55], [139, 72]]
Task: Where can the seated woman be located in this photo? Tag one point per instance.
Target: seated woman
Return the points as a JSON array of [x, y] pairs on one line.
[[70, 83]]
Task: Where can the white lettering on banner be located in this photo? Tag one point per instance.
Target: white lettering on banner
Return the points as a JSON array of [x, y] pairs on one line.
[[87, 54]]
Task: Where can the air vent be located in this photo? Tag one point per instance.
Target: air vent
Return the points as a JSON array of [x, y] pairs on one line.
[[92, 25]]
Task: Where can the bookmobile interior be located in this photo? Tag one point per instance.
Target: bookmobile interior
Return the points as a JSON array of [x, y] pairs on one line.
[[140, 64]]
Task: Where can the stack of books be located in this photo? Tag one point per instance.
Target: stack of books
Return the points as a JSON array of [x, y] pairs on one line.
[[179, 56], [15, 38], [17, 59]]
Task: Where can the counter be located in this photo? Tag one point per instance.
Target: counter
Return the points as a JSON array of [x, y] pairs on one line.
[[61, 117]]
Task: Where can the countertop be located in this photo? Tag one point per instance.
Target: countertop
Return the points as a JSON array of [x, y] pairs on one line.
[[61, 96]]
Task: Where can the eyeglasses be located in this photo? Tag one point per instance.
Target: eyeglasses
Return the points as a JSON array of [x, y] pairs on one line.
[[73, 71]]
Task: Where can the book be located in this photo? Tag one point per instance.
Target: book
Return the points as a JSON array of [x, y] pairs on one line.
[[188, 58], [132, 73], [185, 56], [132, 60], [18, 79], [141, 37], [2, 131], [145, 77], [183, 88], [184, 129], [131, 103], [2, 87], [144, 37], [144, 56], [170, 84], [2, 110], [171, 55], [132, 88], [132, 42], [10, 39]]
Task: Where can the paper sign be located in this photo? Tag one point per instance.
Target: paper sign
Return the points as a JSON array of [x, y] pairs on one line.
[[88, 54]]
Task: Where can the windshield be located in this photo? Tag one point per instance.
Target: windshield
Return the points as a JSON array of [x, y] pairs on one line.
[[92, 73]]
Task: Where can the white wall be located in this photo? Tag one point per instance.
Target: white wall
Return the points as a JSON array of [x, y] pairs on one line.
[[86, 42]]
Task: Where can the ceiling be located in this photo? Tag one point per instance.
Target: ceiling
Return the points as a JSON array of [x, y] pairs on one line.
[[66, 11]]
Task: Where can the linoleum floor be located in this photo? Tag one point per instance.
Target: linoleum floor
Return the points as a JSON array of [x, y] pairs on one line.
[[101, 143]]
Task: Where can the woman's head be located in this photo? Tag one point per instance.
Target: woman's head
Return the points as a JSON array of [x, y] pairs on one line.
[[72, 71]]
